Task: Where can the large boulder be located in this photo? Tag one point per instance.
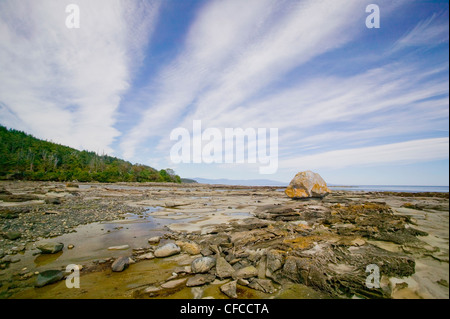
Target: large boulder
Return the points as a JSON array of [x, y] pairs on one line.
[[307, 184]]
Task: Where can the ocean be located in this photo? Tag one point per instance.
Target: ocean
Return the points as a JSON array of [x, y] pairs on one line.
[[392, 188]]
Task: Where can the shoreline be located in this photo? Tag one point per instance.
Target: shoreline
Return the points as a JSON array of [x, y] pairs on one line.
[[204, 212]]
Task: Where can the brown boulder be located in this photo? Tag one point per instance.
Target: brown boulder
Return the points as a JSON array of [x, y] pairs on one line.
[[307, 184]]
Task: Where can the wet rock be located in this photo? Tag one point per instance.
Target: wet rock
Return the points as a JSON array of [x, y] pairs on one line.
[[50, 247], [223, 268], [202, 264], [230, 289], [246, 272], [48, 277], [120, 264], [307, 184], [167, 250], [173, 283], [200, 279], [264, 285]]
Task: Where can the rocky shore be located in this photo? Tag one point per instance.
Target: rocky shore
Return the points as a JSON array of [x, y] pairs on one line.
[[212, 241]]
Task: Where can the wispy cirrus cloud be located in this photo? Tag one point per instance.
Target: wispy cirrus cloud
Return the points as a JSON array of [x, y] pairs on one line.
[[421, 150], [431, 31], [226, 64], [66, 84]]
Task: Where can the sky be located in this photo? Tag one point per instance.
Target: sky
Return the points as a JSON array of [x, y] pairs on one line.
[[358, 105]]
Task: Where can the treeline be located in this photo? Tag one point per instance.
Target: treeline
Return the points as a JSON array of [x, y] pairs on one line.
[[25, 157]]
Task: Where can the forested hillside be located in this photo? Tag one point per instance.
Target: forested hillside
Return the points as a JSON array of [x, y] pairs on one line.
[[23, 156]]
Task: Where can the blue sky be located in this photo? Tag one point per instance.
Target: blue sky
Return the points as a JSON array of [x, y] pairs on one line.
[[357, 105]]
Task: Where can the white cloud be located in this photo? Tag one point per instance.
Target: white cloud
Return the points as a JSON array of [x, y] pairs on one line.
[[431, 31], [405, 152], [233, 51], [66, 84]]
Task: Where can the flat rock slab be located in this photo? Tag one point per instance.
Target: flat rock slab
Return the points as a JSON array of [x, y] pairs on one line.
[[230, 289], [48, 277], [121, 247], [200, 279], [174, 283], [50, 247]]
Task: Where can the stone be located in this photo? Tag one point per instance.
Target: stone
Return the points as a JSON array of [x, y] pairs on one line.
[[306, 185], [120, 264], [48, 277], [121, 247], [167, 250], [202, 264], [146, 256], [50, 247], [264, 285], [223, 268], [230, 289], [274, 260], [190, 248], [246, 272], [173, 283], [70, 246], [13, 235], [154, 240], [200, 279]]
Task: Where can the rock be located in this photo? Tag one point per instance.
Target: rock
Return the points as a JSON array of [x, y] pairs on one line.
[[173, 283], [52, 200], [70, 246], [274, 260], [50, 247], [243, 282], [202, 264], [229, 289], [167, 250], [152, 289], [264, 285], [190, 248], [223, 268], [48, 277], [15, 259], [200, 279], [121, 247], [154, 240], [307, 184], [146, 256], [12, 235], [120, 264], [246, 272]]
